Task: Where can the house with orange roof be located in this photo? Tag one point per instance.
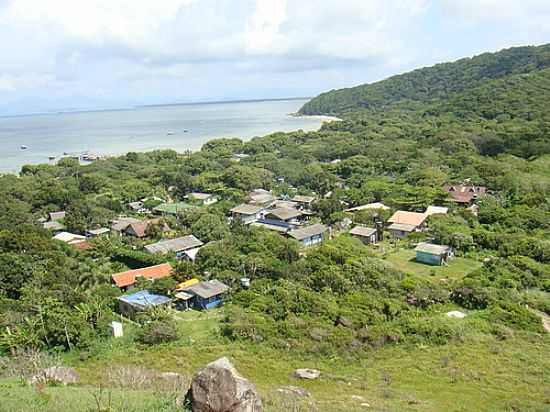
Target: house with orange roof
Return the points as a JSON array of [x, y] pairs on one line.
[[126, 279], [403, 223]]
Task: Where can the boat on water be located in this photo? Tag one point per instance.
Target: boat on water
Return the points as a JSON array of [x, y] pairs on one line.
[[51, 157], [185, 131], [170, 133], [24, 147]]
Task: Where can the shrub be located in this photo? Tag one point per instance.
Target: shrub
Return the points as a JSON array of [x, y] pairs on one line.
[[158, 331]]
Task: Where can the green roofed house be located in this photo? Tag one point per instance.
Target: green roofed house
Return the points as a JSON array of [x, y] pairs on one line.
[[172, 208], [431, 254]]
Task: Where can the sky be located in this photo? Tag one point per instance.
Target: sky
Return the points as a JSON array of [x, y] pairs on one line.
[[88, 54]]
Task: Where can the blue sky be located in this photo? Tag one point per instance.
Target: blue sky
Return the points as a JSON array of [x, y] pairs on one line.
[[85, 54]]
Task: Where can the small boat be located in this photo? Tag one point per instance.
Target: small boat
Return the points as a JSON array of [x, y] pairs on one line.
[[170, 133], [185, 131], [51, 157], [23, 147]]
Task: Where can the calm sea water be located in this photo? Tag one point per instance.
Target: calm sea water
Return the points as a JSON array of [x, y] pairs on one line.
[[142, 129]]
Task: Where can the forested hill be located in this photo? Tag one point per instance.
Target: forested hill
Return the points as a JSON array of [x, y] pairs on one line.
[[432, 84]]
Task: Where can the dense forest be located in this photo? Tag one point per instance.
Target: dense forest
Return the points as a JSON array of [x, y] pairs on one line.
[[482, 120]]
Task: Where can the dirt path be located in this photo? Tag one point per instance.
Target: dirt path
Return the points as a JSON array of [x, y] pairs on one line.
[[544, 318]]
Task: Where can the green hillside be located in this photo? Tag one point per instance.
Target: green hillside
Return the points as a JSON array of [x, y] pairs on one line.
[[439, 82]]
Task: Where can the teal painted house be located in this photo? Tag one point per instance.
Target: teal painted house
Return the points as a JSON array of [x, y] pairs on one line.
[[431, 254]]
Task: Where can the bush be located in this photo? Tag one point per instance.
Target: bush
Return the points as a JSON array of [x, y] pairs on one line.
[[158, 331]]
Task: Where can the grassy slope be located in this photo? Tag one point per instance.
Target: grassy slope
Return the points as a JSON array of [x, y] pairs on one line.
[[481, 374]]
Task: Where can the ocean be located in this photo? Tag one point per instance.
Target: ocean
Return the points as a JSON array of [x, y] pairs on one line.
[[114, 132]]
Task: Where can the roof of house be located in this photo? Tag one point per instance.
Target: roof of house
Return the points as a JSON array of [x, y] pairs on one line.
[[362, 231], [139, 229], [402, 227], [174, 245], [270, 225], [100, 231], [69, 237], [246, 209], [208, 289], [308, 231], [303, 199], [288, 204], [432, 249], [200, 196], [144, 298], [118, 225], [135, 205], [128, 278], [436, 210], [282, 213], [373, 206], [56, 216], [464, 193], [262, 198], [407, 218], [53, 225]]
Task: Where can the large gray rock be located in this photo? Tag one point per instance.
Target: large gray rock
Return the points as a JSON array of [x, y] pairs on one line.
[[58, 374], [307, 373], [219, 388]]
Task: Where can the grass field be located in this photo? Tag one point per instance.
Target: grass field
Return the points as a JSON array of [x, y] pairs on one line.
[[480, 374], [458, 267]]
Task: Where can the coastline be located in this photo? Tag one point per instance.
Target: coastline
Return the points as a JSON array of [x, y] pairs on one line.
[[323, 117]]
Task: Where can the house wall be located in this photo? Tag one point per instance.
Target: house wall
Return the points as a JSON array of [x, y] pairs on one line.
[[367, 239], [312, 241], [205, 304], [246, 219], [428, 258], [398, 234]]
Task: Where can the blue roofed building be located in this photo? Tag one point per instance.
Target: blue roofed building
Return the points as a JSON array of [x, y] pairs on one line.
[[207, 295], [129, 305]]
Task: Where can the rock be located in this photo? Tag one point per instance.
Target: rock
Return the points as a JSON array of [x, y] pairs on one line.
[[307, 373], [294, 391], [58, 374], [365, 405], [219, 388], [357, 398], [456, 314], [343, 321]]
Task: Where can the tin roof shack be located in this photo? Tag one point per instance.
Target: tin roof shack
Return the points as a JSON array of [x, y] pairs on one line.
[[125, 279], [246, 213], [367, 235], [290, 217], [182, 247], [431, 254], [70, 238], [56, 216], [120, 224], [262, 197], [465, 194], [310, 235], [403, 223], [207, 295], [369, 206], [102, 231], [436, 210], [130, 305]]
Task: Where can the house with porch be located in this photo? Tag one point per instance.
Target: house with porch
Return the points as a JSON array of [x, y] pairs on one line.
[[403, 223], [246, 213], [310, 235], [203, 295], [367, 235]]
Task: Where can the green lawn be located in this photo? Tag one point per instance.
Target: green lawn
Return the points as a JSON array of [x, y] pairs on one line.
[[458, 267]]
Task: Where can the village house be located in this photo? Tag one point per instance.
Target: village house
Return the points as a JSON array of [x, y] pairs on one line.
[[123, 280], [431, 254], [205, 199], [246, 213], [288, 216], [465, 194], [119, 225], [304, 202], [130, 305], [57, 216], [69, 238], [55, 226], [182, 247], [202, 295], [261, 197], [309, 235], [367, 235], [404, 223], [137, 207]]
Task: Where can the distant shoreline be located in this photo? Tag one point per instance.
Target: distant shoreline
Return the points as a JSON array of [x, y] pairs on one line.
[[149, 106], [317, 116]]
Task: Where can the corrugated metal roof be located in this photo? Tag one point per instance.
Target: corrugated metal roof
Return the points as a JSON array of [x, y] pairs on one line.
[[362, 231], [432, 249], [308, 231], [246, 209], [303, 199], [208, 289], [144, 298], [174, 245], [282, 213]]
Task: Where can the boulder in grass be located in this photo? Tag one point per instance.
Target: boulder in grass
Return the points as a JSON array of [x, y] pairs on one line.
[[307, 374], [456, 314], [219, 388], [57, 374], [294, 391]]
